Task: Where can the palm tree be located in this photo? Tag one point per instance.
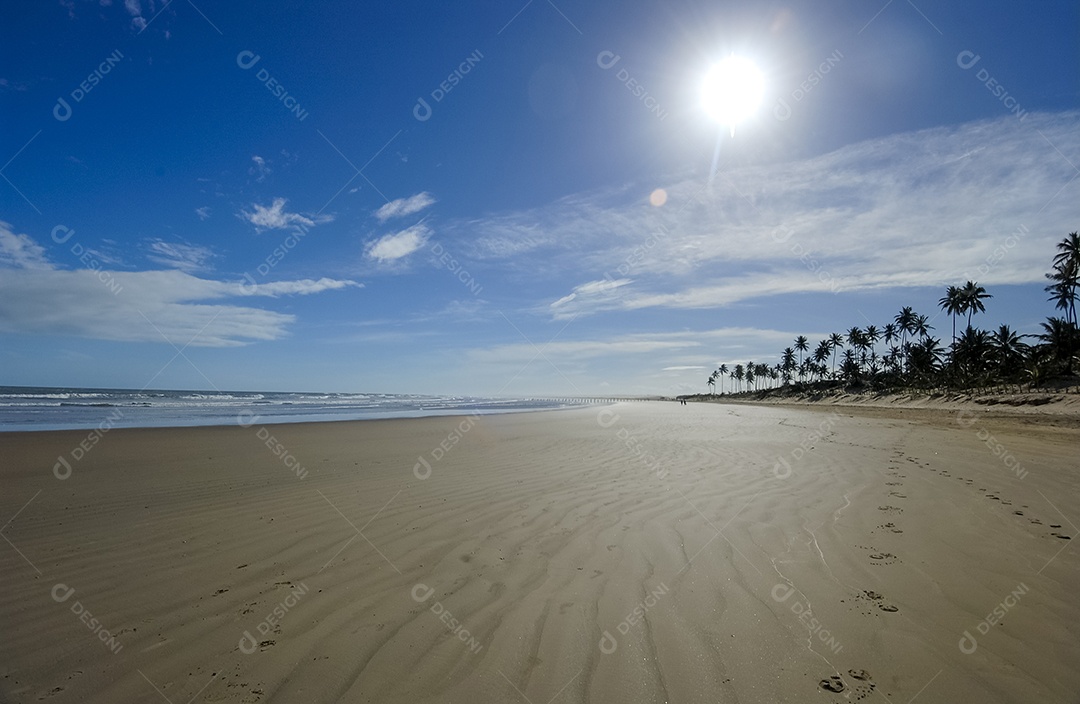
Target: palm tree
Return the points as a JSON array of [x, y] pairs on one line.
[[720, 373], [1065, 276], [889, 333], [739, 374], [953, 304], [836, 340], [788, 363], [921, 326], [1062, 340], [750, 374], [712, 383], [872, 335], [972, 295], [802, 345], [904, 320], [821, 355], [1009, 350]]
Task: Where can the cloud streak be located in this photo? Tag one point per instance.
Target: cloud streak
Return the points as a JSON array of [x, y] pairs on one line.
[[398, 245], [924, 208], [404, 206]]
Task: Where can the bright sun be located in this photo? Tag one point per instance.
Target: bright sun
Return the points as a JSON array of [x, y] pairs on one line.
[[732, 91]]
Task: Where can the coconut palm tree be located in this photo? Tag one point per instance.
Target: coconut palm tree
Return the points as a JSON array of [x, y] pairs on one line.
[[739, 374], [1062, 341], [802, 345], [787, 363], [1065, 275], [972, 295], [821, 355], [711, 383], [953, 304], [836, 341], [720, 372], [921, 326], [750, 374], [872, 335], [1009, 351]]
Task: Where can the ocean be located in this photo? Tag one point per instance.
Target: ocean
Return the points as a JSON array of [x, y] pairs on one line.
[[30, 408]]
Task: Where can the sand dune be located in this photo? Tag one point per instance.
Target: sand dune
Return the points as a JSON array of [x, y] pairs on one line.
[[640, 552]]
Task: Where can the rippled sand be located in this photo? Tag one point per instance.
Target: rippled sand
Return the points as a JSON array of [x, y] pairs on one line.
[[643, 552]]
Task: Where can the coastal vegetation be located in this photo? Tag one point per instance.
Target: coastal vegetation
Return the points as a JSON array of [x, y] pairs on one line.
[[905, 353]]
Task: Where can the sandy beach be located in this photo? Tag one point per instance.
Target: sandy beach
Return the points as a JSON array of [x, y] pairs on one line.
[[641, 552]]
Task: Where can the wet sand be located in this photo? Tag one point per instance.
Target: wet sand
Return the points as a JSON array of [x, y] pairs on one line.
[[639, 552]]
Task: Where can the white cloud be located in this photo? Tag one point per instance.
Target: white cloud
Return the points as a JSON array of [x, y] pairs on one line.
[[142, 306], [593, 290], [203, 212], [275, 217], [404, 206], [397, 245], [175, 255], [259, 168], [301, 287], [21, 251], [924, 208]]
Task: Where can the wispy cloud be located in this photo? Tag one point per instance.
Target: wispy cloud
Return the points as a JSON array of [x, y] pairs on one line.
[[275, 217], [259, 168], [176, 255], [203, 212], [21, 251], [404, 206], [924, 208], [142, 306], [397, 245]]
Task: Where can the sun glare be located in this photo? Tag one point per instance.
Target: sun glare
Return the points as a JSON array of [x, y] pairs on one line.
[[732, 91]]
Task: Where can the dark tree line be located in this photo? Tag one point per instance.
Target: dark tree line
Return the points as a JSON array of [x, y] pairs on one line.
[[904, 353]]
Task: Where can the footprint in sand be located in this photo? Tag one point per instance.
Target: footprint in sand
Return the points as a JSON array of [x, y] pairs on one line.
[[897, 494], [1059, 535], [894, 483], [833, 683], [878, 600], [890, 509], [860, 684], [883, 558]]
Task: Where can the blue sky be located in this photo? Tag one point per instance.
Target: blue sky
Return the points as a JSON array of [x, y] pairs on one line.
[[512, 198]]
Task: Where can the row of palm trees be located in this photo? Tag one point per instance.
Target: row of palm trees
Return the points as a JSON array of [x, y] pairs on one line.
[[912, 357]]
